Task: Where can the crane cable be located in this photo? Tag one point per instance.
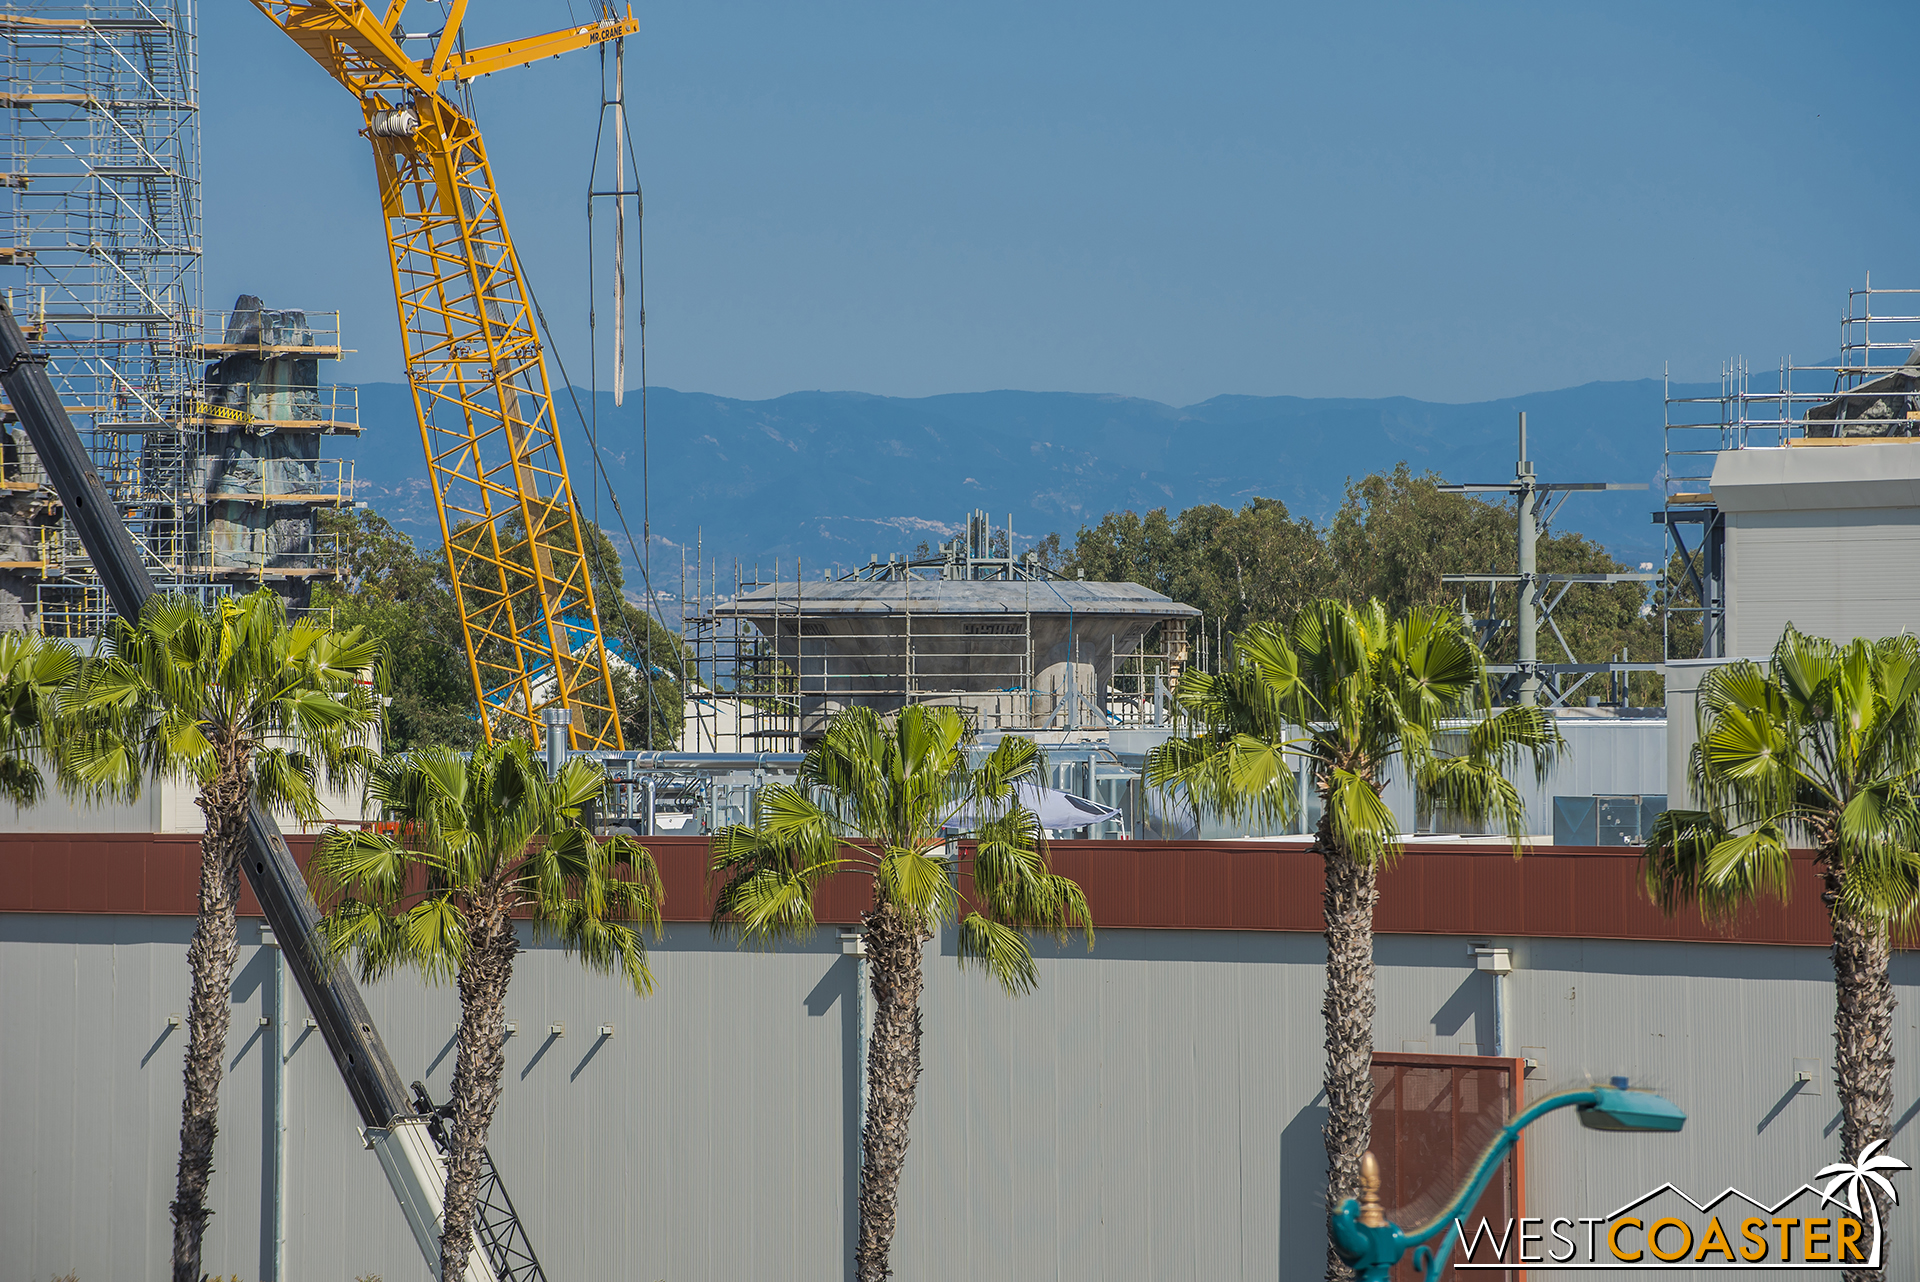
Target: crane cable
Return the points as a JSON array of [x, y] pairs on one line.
[[623, 152]]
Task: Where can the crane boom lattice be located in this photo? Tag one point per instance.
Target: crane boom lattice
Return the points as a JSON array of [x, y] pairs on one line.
[[518, 557]]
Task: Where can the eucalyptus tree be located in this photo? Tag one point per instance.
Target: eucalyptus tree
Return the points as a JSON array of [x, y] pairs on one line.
[[878, 799], [479, 841], [1819, 746], [1351, 697], [246, 706]]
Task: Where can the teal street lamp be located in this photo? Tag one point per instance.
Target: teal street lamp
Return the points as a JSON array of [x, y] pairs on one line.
[[1371, 1246]]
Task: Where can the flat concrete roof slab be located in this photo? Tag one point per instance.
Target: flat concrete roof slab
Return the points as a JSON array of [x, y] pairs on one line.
[[1776, 479], [958, 596]]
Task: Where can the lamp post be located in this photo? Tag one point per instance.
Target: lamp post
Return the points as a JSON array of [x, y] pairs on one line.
[[1371, 1246]]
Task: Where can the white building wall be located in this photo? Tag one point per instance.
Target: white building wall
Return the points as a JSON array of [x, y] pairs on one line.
[[164, 806], [1826, 538]]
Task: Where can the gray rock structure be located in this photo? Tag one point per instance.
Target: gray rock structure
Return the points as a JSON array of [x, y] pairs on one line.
[[1886, 406], [261, 479], [223, 492]]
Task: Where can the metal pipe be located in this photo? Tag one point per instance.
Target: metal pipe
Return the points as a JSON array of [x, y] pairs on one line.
[[556, 721], [862, 1028], [1499, 1013], [1073, 679], [277, 1047], [1528, 623], [706, 760]]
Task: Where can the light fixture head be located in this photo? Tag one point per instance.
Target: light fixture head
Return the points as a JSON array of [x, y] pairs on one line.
[[1497, 961], [1616, 1108]]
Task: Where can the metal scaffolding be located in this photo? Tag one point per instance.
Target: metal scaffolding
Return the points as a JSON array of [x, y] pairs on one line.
[[1867, 395], [99, 126], [204, 427]]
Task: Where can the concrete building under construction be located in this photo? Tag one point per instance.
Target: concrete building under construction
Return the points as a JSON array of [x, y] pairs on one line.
[[1015, 645]]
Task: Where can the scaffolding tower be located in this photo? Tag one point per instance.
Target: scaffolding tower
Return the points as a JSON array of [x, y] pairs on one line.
[[1870, 393], [204, 427], [100, 112]]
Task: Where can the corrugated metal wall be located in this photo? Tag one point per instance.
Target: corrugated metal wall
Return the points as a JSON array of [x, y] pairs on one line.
[[1150, 1113], [1839, 574]]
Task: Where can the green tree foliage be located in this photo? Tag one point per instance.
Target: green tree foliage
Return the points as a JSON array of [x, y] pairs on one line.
[[1391, 540], [402, 600], [1255, 565], [1820, 747], [875, 799], [1396, 535], [480, 841], [1349, 693]]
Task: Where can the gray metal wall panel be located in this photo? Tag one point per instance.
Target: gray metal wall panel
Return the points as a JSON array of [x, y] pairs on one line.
[[1838, 574], [1149, 1112], [1622, 756]]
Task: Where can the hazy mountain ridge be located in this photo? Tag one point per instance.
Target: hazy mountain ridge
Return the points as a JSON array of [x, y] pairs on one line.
[[831, 477]]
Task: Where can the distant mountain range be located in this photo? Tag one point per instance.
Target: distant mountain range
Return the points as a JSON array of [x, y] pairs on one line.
[[829, 478]]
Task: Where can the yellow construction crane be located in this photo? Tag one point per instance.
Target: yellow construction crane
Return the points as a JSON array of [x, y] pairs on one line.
[[520, 568]]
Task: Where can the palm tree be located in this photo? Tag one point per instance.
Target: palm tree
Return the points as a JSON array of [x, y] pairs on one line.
[[34, 672], [877, 797], [1821, 745], [481, 840], [1350, 695], [248, 707]]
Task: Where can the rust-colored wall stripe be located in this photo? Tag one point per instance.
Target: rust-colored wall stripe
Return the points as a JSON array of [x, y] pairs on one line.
[[1559, 891]]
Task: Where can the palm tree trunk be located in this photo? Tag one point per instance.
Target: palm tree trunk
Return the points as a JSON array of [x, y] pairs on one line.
[[893, 1071], [476, 1079], [1351, 892], [1862, 1036], [210, 957]]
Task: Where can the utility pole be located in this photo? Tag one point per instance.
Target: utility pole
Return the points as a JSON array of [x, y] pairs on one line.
[[1536, 502], [1526, 614]]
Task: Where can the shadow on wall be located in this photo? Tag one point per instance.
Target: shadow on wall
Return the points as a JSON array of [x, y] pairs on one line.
[[252, 997], [1472, 1000], [837, 989], [1303, 1181]]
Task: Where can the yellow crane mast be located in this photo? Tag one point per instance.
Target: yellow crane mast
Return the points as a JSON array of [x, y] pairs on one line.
[[521, 570]]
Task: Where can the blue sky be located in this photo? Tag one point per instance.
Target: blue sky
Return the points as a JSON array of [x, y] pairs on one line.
[[1449, 202]]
